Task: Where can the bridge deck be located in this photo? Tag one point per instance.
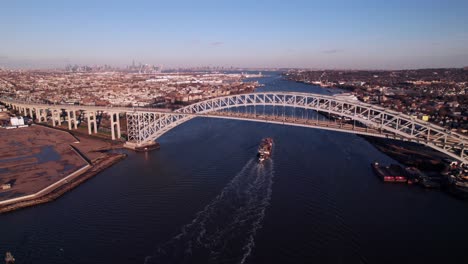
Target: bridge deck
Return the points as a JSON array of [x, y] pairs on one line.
[[146, 125]]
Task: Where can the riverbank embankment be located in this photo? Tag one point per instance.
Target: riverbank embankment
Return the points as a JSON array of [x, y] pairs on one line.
[[38, 164]]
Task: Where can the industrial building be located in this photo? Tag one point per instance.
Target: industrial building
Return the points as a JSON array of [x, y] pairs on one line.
[[17, 121]]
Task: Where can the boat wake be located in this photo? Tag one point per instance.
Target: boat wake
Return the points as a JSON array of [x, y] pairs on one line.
[[224, 231]]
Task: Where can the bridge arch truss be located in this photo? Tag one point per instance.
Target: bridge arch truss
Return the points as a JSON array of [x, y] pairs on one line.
[[146, 126]]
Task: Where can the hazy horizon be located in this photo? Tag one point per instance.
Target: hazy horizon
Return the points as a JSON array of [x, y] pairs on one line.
[[264, 34]]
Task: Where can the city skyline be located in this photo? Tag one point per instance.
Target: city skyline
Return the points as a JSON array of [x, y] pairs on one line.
[[264, 34]]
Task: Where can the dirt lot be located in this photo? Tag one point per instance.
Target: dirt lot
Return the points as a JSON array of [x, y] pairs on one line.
[[34, 157]]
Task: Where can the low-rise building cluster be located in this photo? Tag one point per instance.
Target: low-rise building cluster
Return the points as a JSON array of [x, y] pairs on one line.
[[121, 88]]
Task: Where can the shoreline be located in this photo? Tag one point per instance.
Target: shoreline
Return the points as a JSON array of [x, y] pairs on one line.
[[409, 153], [94, 163], [100, 165], [434, 165]]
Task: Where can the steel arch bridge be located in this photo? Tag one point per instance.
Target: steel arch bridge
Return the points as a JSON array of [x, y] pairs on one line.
[[144, 127]]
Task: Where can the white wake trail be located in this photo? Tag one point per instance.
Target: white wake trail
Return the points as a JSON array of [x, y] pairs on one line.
[[224, 230]]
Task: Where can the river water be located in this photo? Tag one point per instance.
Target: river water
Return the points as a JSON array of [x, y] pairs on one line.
[[202, 198]]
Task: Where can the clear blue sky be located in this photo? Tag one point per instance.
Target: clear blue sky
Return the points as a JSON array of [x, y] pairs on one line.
[[294, 33]]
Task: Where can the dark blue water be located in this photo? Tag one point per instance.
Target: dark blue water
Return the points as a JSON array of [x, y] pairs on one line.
[[203, 199]]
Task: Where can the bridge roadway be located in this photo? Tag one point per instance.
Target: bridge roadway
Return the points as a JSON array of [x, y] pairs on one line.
[[339, 126], [145, 125], [41, 112]]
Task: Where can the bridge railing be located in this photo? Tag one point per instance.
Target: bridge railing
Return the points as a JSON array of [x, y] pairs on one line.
[[147, 124], [375, 117]]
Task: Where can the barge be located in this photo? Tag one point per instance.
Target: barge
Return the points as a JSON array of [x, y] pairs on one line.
[[392, 173], [264, 150]]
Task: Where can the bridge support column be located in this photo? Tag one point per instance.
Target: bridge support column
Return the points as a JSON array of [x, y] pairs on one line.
[[56, 117], [92, 124], [38, 115], [115, 125], [54, 121], [71, 119], [42, 115]]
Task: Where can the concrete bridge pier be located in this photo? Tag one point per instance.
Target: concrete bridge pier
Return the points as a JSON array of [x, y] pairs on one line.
[[98, 118], [92, 124], [36, 112], [56, 117], [43, 115], [63, 118], [115, 125], [80, 114], [71, 119]]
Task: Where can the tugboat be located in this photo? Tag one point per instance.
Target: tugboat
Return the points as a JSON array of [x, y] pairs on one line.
[[264, 150], [458, 181], [458, 186], [429, 182], [414, 175]]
